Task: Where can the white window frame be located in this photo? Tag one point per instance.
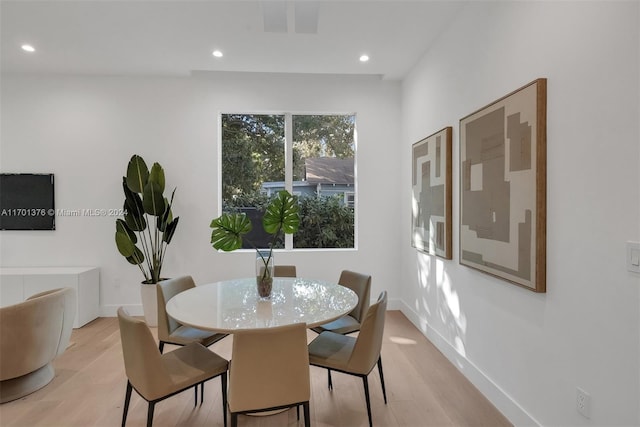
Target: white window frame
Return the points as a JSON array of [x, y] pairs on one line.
[[288, 166]]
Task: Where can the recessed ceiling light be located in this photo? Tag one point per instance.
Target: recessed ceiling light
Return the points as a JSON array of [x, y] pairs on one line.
[[364, 58], [217, 53], [28, 48]]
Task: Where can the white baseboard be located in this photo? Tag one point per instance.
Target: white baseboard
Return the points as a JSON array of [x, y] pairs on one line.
[[498, 397], [393, 304]]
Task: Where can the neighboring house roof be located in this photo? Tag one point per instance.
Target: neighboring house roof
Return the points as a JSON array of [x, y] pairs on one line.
[[329, 170]]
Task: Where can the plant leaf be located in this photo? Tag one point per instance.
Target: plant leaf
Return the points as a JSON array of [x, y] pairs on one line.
[[282, 214], [228, 230], [124, 244], [153, 200], [132, 199], [137, 258], [134, 223], [157, 175], [132, 203], [122, 227], [137, 174], [167, 217], [171, 228]]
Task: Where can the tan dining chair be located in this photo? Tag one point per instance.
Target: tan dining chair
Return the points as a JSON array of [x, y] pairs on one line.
[[354, 355], [284, 271], [361, 285], [269, 371], [157, 376], [169, 330]]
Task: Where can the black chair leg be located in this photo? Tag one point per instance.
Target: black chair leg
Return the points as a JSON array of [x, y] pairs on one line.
[[307, 418], [366, 396], [127, 398], [384, 392], [329, 379], [152, 406], [298, 412], [234, 420], [161, 346], [201, 392], [224, 397], [195, 395]]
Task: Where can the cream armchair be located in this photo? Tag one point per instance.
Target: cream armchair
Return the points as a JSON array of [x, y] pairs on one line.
[[32, 334]]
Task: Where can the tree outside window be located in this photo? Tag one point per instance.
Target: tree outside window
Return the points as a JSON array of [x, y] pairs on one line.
[[322, 148]]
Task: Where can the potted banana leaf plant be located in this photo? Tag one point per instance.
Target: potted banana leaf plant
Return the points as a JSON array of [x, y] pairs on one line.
[[148, 226], [281, 216]]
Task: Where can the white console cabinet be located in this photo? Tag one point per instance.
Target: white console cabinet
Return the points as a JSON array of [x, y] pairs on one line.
[[18, 284]]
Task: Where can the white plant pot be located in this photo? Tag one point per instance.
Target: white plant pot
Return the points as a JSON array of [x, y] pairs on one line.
[[149, 303]]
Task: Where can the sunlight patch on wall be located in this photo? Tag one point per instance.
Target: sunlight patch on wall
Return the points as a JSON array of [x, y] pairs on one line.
[[450, 309]]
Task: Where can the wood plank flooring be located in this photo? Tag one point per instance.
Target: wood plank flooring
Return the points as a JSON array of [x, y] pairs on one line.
[[423, 389]]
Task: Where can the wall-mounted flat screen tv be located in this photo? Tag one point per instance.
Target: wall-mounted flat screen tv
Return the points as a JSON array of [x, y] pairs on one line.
[[27, 202]]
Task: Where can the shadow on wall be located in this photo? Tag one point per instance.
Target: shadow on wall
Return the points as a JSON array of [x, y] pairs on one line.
[[438, 304]]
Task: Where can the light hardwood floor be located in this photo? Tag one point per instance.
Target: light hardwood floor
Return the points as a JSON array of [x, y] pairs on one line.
[[423, 389]]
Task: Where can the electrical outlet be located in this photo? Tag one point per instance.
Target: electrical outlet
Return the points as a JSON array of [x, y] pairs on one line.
[[583, 402]]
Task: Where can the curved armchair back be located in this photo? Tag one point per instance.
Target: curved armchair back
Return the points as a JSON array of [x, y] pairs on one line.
[[32, 334], [69, 315]]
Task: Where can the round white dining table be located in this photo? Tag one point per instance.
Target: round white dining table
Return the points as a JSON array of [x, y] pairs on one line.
[[232, 305]]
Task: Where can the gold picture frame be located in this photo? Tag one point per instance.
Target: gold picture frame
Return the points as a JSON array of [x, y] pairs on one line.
[[431, 194], [503, 187]]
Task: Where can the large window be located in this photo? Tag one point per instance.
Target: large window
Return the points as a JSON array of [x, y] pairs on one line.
[[311, 156]]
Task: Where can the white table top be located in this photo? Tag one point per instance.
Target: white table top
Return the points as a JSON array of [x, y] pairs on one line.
[[230, 305]]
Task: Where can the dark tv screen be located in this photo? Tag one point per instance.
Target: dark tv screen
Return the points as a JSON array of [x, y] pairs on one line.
[[27, 202]]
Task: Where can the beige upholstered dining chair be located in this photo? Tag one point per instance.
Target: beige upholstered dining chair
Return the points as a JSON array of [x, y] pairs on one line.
[[361, 285], [354, 355], [32, 334], [169, 330], [157, 376], [269, 370], [284, 271]]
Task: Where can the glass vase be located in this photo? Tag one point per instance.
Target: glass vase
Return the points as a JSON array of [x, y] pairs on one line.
[[264, 273]]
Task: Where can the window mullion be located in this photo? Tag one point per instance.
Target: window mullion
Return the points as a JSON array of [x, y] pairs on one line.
[[288, 166]]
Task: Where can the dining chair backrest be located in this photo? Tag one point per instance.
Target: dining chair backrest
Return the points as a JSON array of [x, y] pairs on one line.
[[142, 361], [366, 350], [361, 285], [284, 271], [270, 368], [166, 290]]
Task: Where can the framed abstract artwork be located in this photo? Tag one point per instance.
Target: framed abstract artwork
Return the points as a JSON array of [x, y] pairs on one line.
[[503, 187], [431, 194]]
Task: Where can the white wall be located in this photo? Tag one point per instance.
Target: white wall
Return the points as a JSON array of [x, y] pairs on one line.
[[85, 129], [528, 352]]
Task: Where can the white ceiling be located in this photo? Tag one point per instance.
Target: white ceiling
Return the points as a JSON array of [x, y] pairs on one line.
[[178, 37]]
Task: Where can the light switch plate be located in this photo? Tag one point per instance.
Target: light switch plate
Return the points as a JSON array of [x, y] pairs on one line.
[[633, 256]]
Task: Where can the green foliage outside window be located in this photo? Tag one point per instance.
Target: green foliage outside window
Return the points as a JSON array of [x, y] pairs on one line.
[[253, 152], [325, 221]]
